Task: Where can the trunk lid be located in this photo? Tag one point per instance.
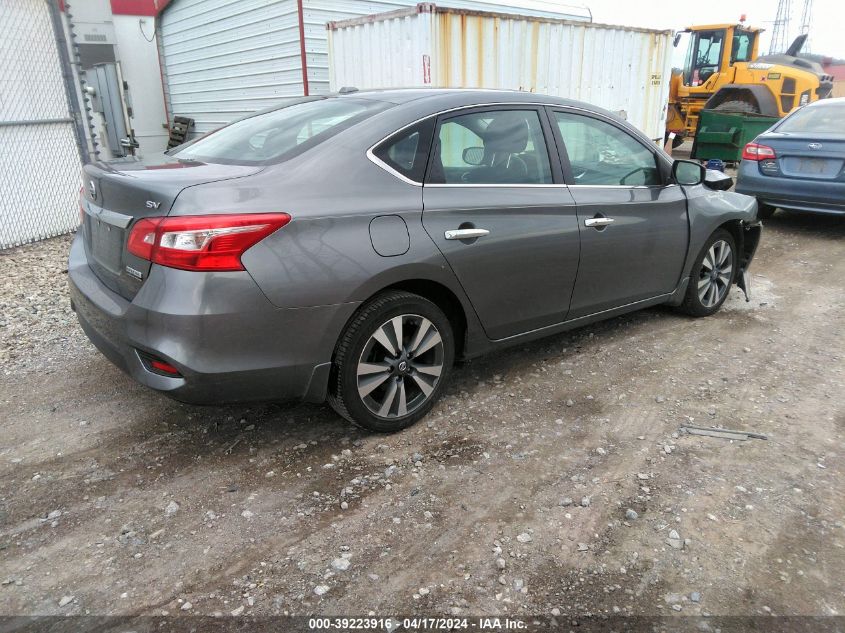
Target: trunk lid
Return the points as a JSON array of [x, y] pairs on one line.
[[116, 194], [806, 156]]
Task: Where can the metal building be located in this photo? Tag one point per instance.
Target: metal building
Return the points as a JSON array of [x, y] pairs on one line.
[[223, 59]]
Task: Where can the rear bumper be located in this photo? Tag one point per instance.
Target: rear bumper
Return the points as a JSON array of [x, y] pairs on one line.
[[814, 196], [228, 341]]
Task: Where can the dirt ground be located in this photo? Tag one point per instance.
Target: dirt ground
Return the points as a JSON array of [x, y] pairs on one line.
[[511, 498]]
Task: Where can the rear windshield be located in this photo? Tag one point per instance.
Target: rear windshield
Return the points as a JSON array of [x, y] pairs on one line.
[[281, 133], [822, 118]]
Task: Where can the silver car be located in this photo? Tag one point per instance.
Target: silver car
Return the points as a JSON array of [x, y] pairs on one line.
[[350, 248]]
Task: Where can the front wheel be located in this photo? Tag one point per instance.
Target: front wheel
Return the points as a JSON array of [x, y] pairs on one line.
[[392, 362], [711, 275]]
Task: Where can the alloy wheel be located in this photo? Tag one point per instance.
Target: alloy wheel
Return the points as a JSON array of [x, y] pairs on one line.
[[714, 280], [400, 366]]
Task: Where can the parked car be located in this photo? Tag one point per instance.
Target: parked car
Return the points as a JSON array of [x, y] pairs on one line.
[[351, 247], [799, 163]]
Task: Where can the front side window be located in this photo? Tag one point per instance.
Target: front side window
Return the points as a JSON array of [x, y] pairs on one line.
[[603, 154], [491, 147], [406, 152], [272, 135]]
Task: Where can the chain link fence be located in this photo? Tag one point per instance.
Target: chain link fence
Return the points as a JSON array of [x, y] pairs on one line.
[[39, 151]]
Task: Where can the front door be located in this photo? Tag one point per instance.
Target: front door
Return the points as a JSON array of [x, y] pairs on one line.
[[495, 205], [634, 228]]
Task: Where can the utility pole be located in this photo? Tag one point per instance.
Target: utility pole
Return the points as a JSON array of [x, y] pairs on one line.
[[780, 31], [806, 18]]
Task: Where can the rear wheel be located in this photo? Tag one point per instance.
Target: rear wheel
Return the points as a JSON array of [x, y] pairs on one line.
[[764, 211], [711, 275], [738, 106], [392, 362]]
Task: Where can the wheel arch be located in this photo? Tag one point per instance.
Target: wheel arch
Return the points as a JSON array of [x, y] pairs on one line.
[[444, 299], [746, 237], [439, 294], [760, 95]]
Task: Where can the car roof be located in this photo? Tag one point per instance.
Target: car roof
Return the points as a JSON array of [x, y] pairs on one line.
[[828, 102], [448, 96], [416, 103]]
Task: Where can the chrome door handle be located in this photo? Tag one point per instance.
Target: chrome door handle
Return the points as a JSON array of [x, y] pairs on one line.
[[598, 221], [466, 234]]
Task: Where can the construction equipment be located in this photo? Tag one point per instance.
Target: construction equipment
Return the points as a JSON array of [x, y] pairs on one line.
[[723, 71]]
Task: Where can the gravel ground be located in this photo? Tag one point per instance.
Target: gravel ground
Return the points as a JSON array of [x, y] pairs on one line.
[[551, 479]]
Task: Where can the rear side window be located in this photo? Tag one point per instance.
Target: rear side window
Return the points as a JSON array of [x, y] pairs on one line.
[[491, 147], [602, 154], [406, 152], [822, 118], [280, 133]]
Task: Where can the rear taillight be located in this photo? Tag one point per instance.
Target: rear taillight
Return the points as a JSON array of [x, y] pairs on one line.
[[201, 242], [755, 151], [165, 368]]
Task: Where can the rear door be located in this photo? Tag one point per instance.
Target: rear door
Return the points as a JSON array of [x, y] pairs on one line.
[[634, 227], [496, 206]]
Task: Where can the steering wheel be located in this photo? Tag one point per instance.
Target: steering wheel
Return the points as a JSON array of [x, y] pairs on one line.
[[631, 173]]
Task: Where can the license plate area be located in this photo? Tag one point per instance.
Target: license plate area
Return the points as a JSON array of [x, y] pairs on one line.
[[812, 166], [106, 245], [106, 235]]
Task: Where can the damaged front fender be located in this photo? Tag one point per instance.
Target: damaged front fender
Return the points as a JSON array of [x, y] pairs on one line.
[[750, 232]]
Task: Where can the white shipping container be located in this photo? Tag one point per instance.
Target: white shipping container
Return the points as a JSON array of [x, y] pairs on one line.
[[623, 69], [222, 59]]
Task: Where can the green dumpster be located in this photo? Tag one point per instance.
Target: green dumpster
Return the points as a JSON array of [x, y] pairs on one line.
[[723, 134]]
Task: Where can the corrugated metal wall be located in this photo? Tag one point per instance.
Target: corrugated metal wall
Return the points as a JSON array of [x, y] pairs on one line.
[[226, 58], [316, 13], [621, 69]]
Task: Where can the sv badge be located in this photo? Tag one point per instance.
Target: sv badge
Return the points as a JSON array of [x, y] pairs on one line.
[[153, 205]]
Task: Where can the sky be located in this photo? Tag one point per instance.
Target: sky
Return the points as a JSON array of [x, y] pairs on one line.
[[827, 28]]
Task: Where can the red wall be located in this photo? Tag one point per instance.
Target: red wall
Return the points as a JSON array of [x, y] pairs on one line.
[[138, 7]]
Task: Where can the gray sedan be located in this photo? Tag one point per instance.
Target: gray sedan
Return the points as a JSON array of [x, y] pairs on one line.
[[350, 248], [799, 164]]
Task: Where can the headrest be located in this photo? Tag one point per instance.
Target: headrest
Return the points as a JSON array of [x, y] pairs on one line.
[[508, 132]]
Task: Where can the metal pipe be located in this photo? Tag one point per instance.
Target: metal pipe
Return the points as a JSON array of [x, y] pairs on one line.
[[34, 122], [304, 62]]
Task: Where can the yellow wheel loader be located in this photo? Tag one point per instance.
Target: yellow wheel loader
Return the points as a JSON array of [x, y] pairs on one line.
[[722, 71]]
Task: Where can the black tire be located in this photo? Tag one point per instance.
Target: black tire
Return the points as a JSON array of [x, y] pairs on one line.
[[693, 304], [738, 106], [357, 340], [765, 211]]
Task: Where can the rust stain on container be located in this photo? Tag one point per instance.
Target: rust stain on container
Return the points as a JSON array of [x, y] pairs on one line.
[[480, 54], [535, 44]]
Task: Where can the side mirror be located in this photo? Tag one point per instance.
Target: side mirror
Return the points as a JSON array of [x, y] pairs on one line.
[[718, 180], [473, 155], [688, 172]]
